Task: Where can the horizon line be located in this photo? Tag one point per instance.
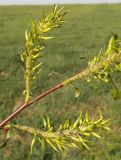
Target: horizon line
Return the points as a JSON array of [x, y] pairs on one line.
[[81, 3]]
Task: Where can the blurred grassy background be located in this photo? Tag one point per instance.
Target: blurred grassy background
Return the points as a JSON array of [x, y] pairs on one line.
[[87, 29]]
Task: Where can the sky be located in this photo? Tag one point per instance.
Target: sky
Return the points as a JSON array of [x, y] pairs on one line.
[[15, 2]]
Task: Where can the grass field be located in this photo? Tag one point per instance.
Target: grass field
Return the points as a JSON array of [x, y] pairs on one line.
[[87, 29]]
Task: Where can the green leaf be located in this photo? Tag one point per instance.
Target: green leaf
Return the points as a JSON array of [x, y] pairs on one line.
[[36, 67], [105, 121], [42, 142], [60, 10], [26, 35], [75, 139], [66, 124], [59, 146], [32, 143], [44, 122], [112, 43], [48, 123], [77, 92], [84, 144], [22, 58], [52, 145], [46, 38], [75, 145], [101, 116], [86, 118], [4, 143], [77, 122], [55, 9], [60, 127], [96, 135], [86, 134], [107, 128]]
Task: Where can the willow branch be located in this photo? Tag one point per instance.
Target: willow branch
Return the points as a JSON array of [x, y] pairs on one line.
[[111, 58], [69, 134]]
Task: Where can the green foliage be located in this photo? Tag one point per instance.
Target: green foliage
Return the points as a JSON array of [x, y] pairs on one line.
[[112, 52], [35, 43], [102, 66], [67, 58], [67, 135]]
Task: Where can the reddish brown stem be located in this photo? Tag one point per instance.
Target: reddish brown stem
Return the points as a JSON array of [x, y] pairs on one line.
[[25, 105], [86, 72]]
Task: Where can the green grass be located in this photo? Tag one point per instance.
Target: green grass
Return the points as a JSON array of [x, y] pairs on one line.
[[87, 29]]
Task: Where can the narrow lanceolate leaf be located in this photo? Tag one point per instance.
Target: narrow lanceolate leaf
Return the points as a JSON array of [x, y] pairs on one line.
[[51, 144], [22, 58], [66, 124], [74, 145], [26, 35], [46, 38], [86, 118], [84, 143], [55, 9], [86, 134], [59, 145], [107, 128], [112, 44], [36, 67], [44, 122], [105, 121], [96, 135], [77, 122], [75, 139], [32, 144], [48, 123]]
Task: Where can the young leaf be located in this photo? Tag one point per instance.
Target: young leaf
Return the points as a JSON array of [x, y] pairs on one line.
[[51, 144], [4, 143], [48, 123], [96, 135], [32, 144], [44, 122], [46, 38], [77, 122], [77, 92]]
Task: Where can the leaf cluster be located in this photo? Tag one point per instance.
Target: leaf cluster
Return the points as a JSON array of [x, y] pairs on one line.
[[35, 43], [113, 49], [67, 135]]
